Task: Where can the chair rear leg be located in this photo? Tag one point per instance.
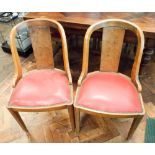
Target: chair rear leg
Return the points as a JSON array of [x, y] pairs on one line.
[[77, 120], [134, 126], [71, 116], [19, 120]]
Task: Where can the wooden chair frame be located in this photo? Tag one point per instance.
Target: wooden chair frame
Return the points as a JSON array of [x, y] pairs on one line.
[[134, 73], [18, 73]]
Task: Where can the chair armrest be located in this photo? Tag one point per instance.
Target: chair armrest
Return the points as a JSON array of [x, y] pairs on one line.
[[69, 77], [15, 81], [138, 85], [81, 78]]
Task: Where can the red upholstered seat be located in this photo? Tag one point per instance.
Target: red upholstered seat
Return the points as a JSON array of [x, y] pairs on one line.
[[109, 92], [41, 88]]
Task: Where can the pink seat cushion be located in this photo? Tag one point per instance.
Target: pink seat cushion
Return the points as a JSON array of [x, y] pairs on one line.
[[41, 88], [109, 92]]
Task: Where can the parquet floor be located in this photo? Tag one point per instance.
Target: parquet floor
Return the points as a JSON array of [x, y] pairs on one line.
[[55, 127], [47, 127]]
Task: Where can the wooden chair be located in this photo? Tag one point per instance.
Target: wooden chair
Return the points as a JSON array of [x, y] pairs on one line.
[[45, 88], [108, 93]]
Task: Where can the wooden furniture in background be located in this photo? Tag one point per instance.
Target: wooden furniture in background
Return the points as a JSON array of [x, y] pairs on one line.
[[107, 93], [78, 22], [45, 88]]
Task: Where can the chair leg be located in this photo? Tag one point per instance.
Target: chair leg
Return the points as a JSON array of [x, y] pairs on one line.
[[71, 116], [134, 126], [77, 120], [19, 120]]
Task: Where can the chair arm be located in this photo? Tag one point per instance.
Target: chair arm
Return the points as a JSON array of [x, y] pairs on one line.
[[15, 81], [81, 78], [138, 85]]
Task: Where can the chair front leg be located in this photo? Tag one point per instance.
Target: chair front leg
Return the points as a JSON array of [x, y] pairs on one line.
[[134, 126], [71, 116], [19, 120], [77, 120]]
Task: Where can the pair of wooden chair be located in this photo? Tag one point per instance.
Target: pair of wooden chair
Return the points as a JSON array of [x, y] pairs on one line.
[[106, 92]]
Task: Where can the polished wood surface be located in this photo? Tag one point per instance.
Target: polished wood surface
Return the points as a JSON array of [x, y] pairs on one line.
[[42, 46], [109, 45], [146, 21]]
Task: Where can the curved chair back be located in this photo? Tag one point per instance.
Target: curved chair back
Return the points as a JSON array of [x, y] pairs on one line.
[[39, 31], [111, 47]]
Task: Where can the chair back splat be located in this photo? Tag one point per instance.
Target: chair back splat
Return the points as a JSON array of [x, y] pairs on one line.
[[42, 44], [112, 41]]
